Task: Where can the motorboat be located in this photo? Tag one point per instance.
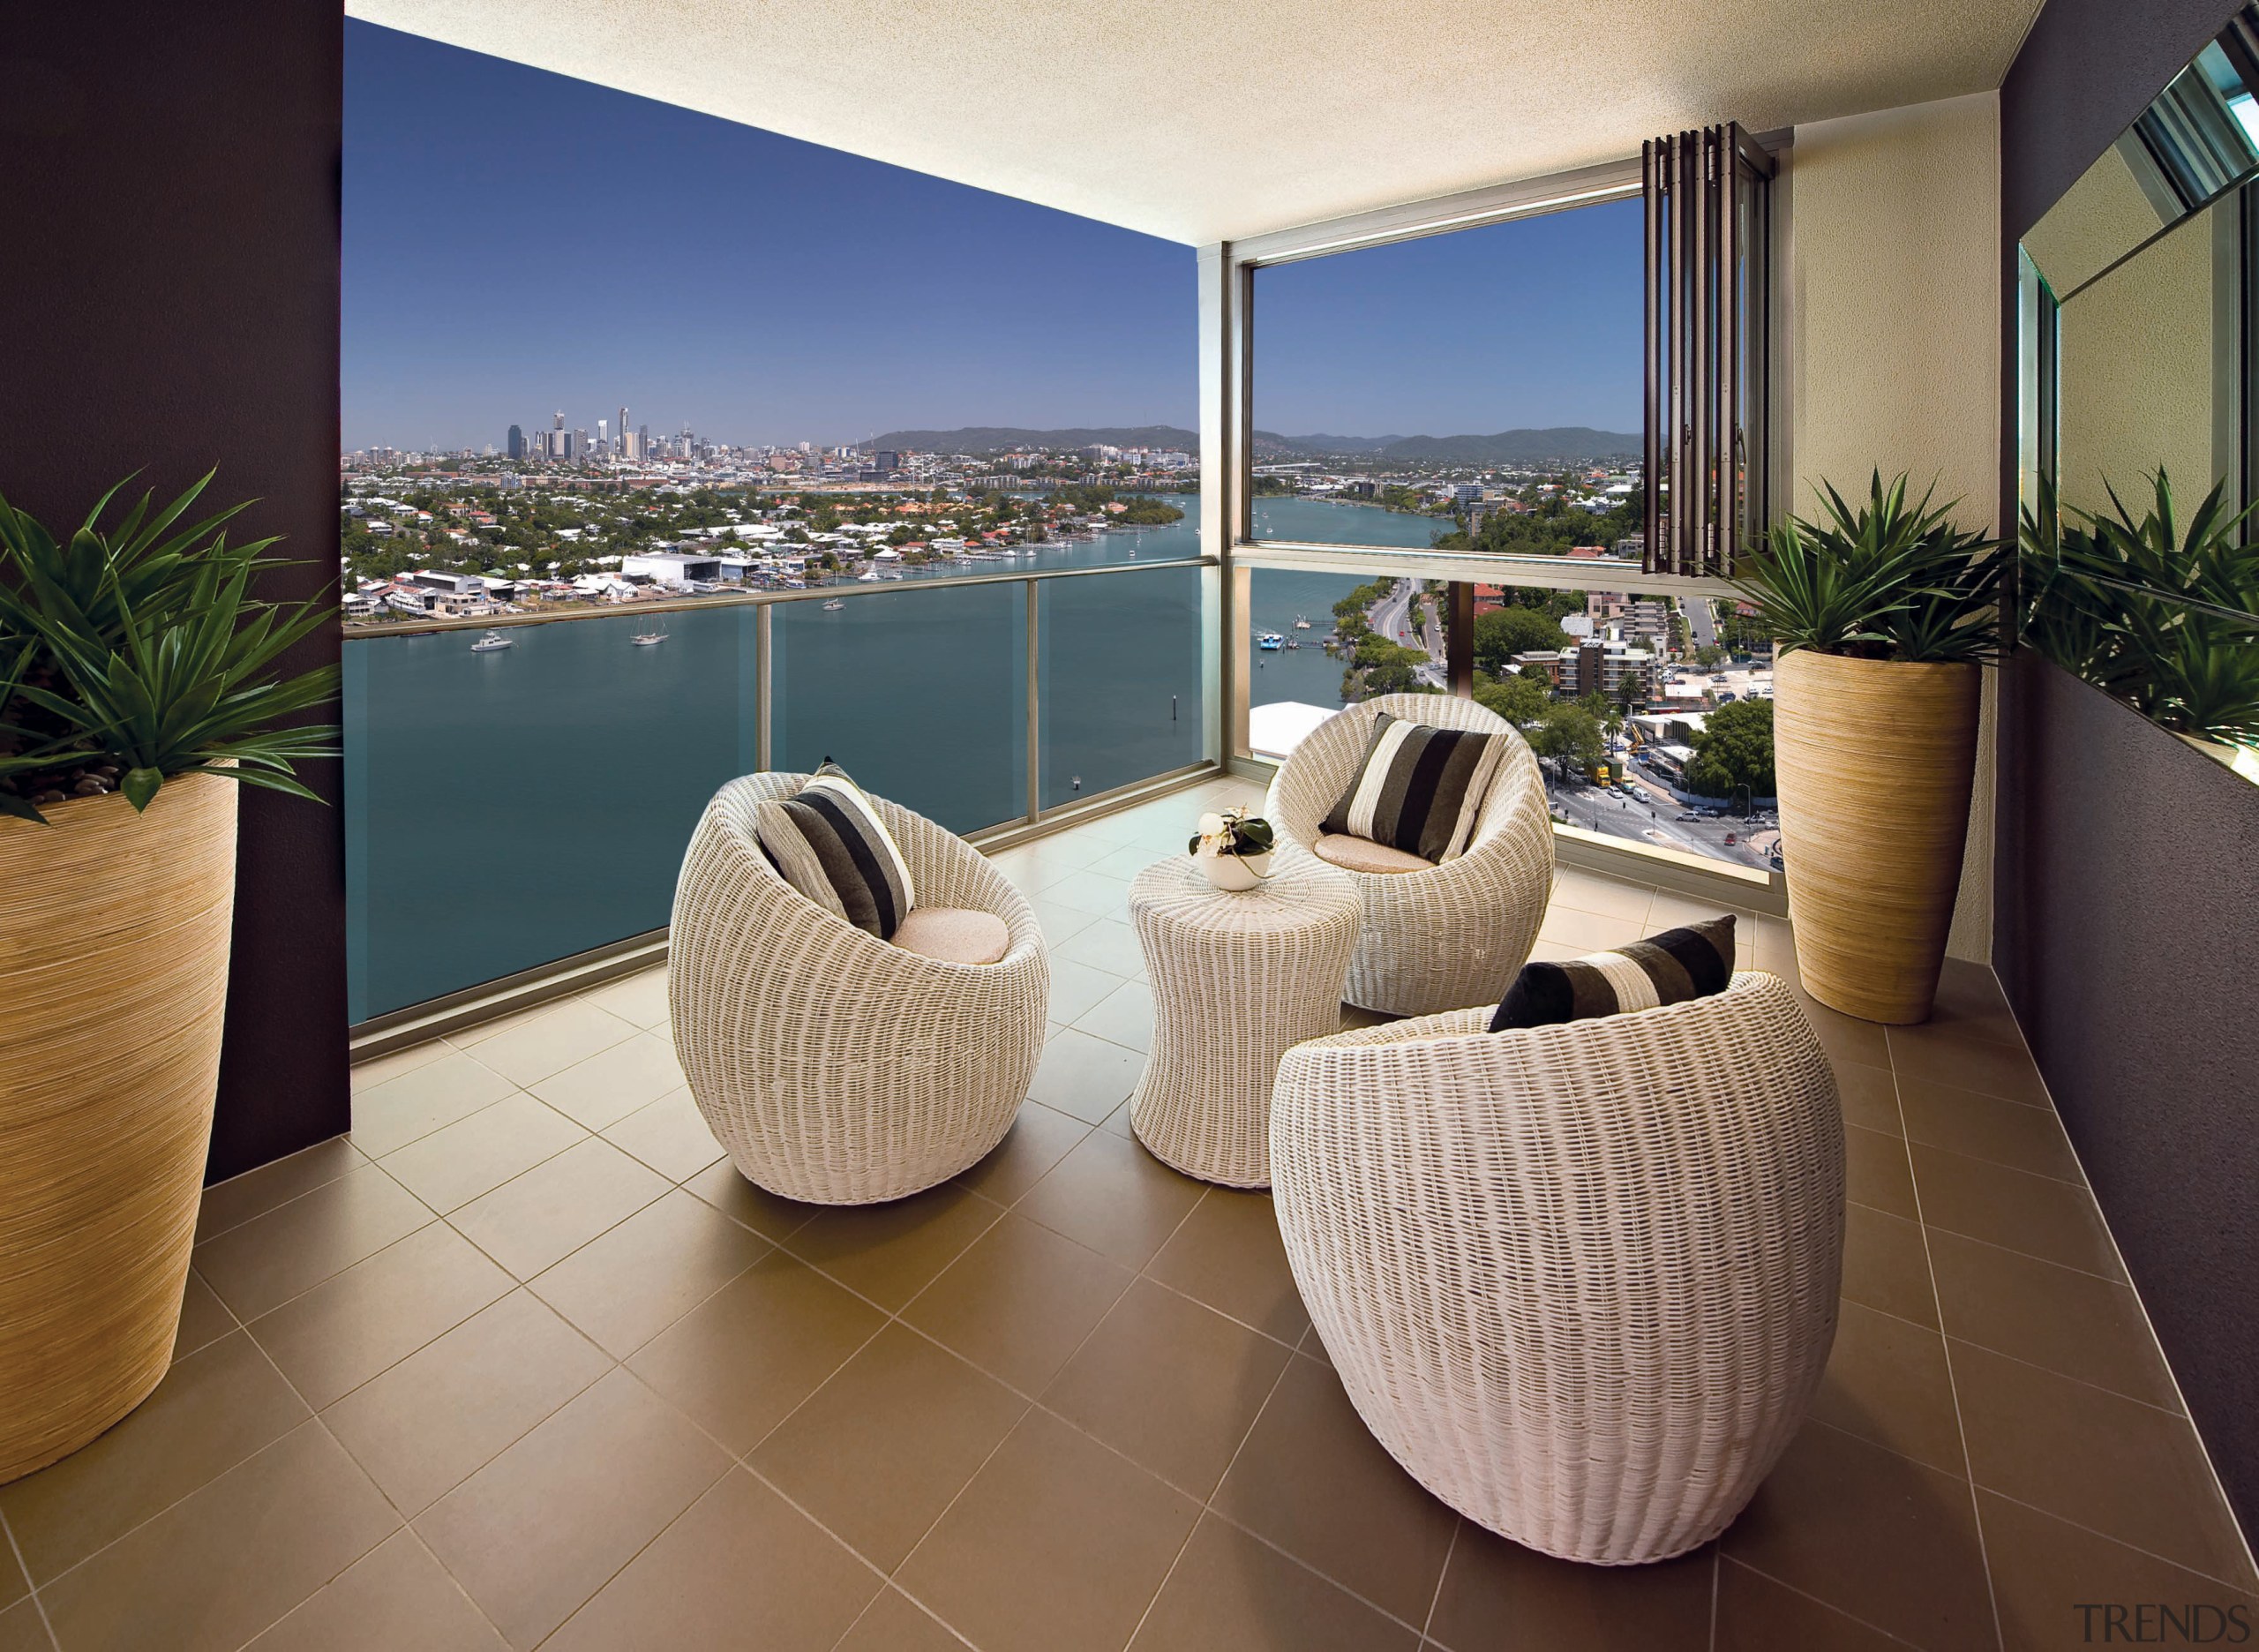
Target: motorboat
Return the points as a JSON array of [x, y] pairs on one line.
[[1270, 641], [491, 643], [834, 605], [650, 639], [1302, 622]]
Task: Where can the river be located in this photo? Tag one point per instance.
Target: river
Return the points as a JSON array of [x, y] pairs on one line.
[[508, 808]]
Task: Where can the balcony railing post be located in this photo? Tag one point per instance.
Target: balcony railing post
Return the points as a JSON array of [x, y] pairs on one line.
[[1034, 696], [764, 684]]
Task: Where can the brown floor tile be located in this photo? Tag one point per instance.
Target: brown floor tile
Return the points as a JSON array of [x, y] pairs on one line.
[[1228, 1254], [1114, 1196], [1229, 1592], [204, 1317], [231, 1202], [1986, 1065], [559, 1037], [895, 1623], [740, 1568], [426, 1424], [1970, 1005], [1870, 1097], [1083, 1077], [1873, 1535], [1755, 1614], [739, 1362], [219, 1566], [553, 1209], [1887, 1264], [723, 1186], [1057, 1545], [536, 1532], [1987, 1127], [609, 1084], [1039, 1138], [294, 1247], [393, 1598], [1313, 1481], [13, 1584], [1313, 1347], [641, 997], [23, 1630], [2036, 1215], [1170, 1384], [391, 1115], [877, 1453], [1610, 897], [2044, 1570], [2099, 1459], [1887, 1382], [1876, 1173], [629, 1283], [336, 1336], [1590, 932], [1123, 1016], [890, 1252], [455, 1164], [1020, 1302], [669, 1134], [1845, 1038], [1498, 1597], [213, 1411], [2067, 1321]]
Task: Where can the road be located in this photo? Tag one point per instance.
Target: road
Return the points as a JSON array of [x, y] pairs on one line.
[[1652, 817], [1392, 618], [1702, 623]]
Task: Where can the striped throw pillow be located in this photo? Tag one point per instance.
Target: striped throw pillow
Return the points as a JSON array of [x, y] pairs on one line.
[[1419, 789], [830, 843], [1668, 968]]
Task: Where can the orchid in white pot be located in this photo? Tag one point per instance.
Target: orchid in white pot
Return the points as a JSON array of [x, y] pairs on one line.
[[1234, 849]]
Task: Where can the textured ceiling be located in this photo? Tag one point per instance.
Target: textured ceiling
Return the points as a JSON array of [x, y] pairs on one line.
[[1214, 119]]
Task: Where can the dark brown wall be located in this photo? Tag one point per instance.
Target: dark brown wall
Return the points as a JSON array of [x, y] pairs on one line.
[[169, 301], [2127, 923]]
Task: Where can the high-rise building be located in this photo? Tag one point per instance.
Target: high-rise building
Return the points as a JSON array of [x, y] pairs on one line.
[[604, 444], [885, 463], [517, 442], [626, 451]]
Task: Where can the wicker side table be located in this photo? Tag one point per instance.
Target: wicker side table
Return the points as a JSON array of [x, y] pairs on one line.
[[1238, 979]]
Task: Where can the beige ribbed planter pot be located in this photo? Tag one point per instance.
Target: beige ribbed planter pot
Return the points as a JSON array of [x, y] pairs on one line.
[[1875, 760], [112, 974]]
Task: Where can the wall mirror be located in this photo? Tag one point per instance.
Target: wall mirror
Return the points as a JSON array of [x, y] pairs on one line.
[[2139, 568]]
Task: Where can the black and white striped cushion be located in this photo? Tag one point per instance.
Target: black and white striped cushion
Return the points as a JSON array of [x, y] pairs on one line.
[[1667, 968], [1419, 789], [828, 842]]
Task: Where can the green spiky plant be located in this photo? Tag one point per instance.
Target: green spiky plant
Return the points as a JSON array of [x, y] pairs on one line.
[[1887, 581], [135, 653], [2159, 610]]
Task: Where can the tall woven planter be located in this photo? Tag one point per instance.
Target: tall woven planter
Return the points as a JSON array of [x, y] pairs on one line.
[[114, 932], [1875, 761]]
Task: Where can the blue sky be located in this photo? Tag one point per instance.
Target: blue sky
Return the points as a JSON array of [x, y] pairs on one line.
[[516, 243]]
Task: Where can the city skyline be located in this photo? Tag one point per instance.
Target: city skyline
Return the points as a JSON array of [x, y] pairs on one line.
[[517, 242]]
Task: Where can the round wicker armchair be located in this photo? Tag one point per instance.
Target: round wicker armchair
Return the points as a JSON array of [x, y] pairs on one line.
[[833, 1066], [1580, 1280], [1450, 935]]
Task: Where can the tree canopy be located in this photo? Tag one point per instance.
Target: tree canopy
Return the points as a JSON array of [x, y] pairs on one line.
[[1734, 750], [1504, 633]]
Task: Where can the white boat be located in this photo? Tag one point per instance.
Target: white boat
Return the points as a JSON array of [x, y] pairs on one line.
[[1270, 641], [834, 605], [490, 643], [1302, 622], [650, 639]]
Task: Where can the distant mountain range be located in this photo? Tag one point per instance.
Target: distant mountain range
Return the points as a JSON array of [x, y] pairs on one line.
[[1569, 443]]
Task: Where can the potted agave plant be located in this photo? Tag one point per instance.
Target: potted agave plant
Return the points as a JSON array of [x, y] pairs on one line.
[[138, 688], [1234, 848], [2161, 611], [1883, 615]]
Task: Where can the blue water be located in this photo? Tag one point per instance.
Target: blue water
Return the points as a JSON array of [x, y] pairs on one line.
[[504, 810]]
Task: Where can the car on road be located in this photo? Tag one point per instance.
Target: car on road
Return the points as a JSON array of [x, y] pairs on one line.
[[1689, 815]]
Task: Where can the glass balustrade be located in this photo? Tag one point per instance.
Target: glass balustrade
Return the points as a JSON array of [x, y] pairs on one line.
[[1119, 680]]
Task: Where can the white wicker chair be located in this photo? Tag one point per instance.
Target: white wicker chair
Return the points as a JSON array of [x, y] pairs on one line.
[[1456, 934], [833, 1066], [1579, 1280]]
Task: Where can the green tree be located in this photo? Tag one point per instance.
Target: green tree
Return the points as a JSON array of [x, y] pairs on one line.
[[1570, 736], [1518, 699], [1504, 633], [1734, 750]]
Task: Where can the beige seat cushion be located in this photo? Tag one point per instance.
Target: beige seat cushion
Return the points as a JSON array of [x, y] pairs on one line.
[[954, 934], [1361, 854]]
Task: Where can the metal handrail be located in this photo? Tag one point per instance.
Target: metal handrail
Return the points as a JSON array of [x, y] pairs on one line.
[[757, 599]]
